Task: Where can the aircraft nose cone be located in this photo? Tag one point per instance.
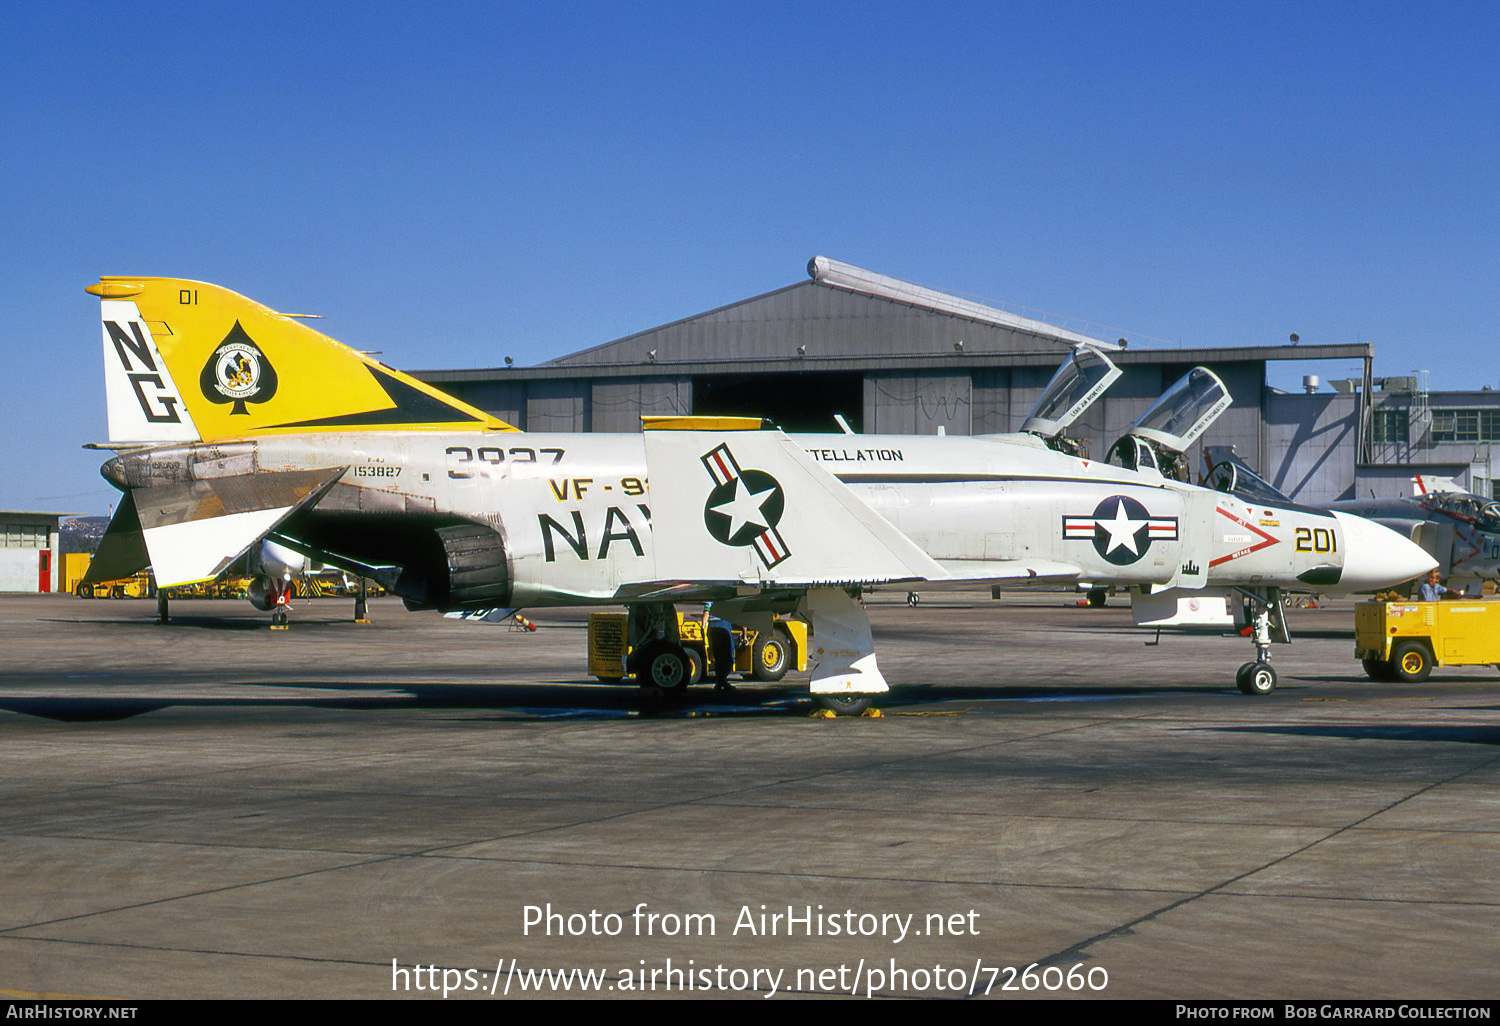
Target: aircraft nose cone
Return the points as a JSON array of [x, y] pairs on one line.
[[1376, 557], [114, 471]]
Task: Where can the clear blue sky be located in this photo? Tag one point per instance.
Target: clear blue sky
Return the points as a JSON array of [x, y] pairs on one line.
[[455, 183]]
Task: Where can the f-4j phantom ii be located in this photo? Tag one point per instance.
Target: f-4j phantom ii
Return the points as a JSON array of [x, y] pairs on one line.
[[236, 426], [1459, 529]]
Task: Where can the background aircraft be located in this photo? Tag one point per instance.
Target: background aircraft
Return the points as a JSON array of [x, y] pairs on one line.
[[237, 425]]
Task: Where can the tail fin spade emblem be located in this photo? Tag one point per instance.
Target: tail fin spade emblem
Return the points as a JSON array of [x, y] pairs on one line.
[[744, 507], [238, 372]]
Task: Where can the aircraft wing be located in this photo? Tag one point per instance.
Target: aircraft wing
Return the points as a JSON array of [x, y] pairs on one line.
[[192, 532], [1000, 570], [751, 507]]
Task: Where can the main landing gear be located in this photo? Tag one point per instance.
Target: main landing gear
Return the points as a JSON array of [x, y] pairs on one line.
[[1267, 622]]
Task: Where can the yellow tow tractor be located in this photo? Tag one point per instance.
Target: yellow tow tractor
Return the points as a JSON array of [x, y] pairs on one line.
[[760, 658], [76, 565], [1405, 640]]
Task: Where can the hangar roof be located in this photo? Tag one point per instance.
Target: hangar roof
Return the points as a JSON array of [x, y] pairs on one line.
[[847, 318], [841, 311]]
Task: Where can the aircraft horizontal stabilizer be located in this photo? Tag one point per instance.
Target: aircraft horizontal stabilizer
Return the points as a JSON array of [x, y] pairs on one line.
[[193, 531], [752, 506], [122, 550]]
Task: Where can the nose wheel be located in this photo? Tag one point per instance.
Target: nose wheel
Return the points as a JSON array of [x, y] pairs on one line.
[[1256, 679], [1267, 619]]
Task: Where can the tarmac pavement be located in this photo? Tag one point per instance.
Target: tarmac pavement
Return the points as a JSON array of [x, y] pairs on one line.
[[212, 809]]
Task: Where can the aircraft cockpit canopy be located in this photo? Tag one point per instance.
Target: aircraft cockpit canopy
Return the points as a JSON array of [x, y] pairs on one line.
[[1160, 437], [1485, 513], [1075, 387], [1184, 411], [1234, 478]]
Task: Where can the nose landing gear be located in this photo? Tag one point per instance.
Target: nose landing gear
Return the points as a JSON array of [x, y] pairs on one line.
[[1268, 622]]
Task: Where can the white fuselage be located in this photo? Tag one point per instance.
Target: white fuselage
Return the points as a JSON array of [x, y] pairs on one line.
[[574, 510]]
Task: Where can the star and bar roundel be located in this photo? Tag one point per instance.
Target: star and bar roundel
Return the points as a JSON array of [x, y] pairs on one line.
[[744, 507], [1121, 529]]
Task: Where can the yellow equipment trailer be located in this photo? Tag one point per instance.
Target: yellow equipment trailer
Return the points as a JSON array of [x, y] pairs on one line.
[[1405, 640], [76, 564], [755, 657]]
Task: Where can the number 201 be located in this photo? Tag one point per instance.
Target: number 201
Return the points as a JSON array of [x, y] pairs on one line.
[[1316, 539]]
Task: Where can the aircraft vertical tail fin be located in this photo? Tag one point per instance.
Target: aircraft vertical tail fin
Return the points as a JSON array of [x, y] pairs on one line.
[[189, 361], [1426, 484], [143, 398]]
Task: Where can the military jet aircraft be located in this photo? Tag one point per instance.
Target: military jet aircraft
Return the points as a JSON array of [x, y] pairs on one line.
[[1459, 529], [235, 426]]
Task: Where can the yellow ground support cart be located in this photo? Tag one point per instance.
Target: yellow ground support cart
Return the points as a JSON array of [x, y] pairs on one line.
[[76, 564], [757, 658], [1405, 640]]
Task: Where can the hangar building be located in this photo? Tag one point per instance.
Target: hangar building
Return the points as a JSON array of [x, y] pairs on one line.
[[29, 558], [892, 357]]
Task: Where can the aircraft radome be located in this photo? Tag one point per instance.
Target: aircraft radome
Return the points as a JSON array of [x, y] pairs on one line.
[[1459, 529], [235, 426]]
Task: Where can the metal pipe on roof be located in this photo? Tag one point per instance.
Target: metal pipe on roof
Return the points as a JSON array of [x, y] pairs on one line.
[[857, 279]]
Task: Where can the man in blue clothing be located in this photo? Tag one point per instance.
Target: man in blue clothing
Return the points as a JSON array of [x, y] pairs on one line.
[[1431, 590]]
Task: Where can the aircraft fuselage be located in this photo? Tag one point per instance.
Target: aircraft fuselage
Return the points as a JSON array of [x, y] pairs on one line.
[[571, 514]]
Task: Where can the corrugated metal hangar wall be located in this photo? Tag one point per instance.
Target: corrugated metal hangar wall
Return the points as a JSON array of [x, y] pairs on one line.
[[891, 358]]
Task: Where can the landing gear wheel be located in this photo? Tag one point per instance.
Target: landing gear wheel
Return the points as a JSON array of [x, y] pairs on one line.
[[773, 656], [1097, 597], [666, 666], [843, 705], [1379, 669], [1411, 661], [912, 598], [1256, 679]]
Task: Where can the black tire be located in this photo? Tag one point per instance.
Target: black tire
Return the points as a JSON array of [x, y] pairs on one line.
[[912, 598], [664, 665], [1097, 597], [1256, 679], [83, 591], [1379, 669], [695, 661], [844, 705], [1411, 661], [773, 655]]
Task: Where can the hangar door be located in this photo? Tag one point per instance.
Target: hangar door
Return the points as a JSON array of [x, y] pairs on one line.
[[797, 402]]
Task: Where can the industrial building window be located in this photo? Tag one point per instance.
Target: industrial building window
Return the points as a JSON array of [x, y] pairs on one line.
[[1390, 425], [24, 536], [1466, 425]]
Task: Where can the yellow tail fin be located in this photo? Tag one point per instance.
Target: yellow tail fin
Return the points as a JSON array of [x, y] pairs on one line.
[[186, 360]]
